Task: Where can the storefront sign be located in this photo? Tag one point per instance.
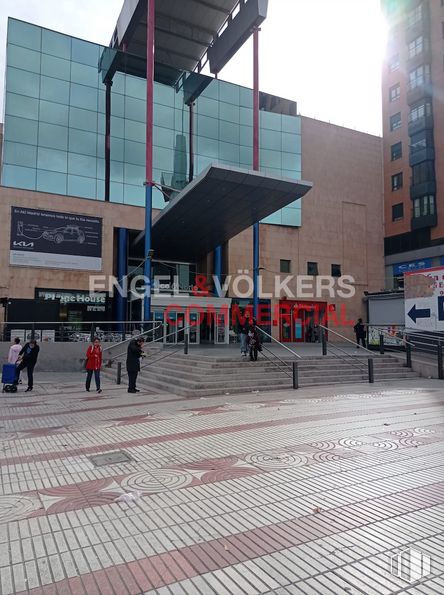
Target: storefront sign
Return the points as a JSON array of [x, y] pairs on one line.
[[414, 265], [55, 240], [95, 302]]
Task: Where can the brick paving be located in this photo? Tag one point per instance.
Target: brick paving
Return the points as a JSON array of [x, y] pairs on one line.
[[314, 491]]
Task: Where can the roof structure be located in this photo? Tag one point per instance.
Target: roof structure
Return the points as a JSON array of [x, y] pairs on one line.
[[184, 29], [220, 203]]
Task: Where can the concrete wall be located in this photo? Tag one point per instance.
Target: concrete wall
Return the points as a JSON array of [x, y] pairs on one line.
[[62, 357], [342, 218]]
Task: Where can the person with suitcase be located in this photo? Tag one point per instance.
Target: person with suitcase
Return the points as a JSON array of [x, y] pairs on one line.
[[14, 351], [28, 359]]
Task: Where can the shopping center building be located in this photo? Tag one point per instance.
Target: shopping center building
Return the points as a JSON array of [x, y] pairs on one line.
[[73, 189]]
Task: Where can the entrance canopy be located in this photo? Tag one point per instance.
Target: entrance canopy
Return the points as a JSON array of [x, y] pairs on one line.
[[220, 203]]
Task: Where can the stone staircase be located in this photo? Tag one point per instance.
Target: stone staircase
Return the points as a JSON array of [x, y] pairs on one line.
[[205, 375]]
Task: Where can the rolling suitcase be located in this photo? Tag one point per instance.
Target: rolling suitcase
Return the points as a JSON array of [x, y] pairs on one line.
[[9, 372]]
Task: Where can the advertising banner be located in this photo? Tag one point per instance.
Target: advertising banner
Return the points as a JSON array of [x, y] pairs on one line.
[[55, 240], [424, 300]]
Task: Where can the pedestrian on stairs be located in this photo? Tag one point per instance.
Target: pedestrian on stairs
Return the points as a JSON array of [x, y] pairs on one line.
[[254, 341], [134, 353]]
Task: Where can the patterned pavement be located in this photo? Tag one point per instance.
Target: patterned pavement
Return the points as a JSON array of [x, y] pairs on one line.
[[315, 491]]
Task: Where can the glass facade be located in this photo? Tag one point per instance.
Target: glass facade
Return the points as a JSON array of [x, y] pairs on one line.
[[54, 135]]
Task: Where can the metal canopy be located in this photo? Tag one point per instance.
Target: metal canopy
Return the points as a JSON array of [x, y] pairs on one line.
[[184, 29], [220, 203]]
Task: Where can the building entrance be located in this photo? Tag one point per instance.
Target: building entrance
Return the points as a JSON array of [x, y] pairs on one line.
[[299, 321]]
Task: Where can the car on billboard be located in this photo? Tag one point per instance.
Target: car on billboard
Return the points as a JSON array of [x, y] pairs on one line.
[[69, 233]]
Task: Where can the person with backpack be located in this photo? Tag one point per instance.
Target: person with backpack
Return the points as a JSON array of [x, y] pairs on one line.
[[93, 364], [254, 342], [27, 359], [359, 329]]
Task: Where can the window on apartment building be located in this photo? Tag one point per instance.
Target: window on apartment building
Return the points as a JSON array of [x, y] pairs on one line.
[[397, 180], [398, 211], [423, 172], [424, 206], [415, 16], [285, 266], [312, 268], [394, 63], [420, 110], [422, 140], [417, 46], [395, 121], [336, 270], [395, 92], [419, 76], [396, 151]]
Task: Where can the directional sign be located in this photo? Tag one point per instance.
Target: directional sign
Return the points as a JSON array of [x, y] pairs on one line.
[[424, 299]]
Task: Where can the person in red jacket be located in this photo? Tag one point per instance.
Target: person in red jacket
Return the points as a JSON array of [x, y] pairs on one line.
[[93, 364]]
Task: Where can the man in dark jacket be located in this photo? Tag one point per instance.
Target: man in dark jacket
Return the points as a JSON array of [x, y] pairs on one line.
[[133, 356], [254, 341], [27, 359], [359, 329]]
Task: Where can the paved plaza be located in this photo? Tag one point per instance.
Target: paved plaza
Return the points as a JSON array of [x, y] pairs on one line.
[[316, 491]]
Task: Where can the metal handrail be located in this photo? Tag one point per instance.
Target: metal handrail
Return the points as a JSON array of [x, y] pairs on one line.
[[133, 337], [168, 354], [286, 364], [352, 358], [345, 339], [148, 342], [432, 335], [279, 343]]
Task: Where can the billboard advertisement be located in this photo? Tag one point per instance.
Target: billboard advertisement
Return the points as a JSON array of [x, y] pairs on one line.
[[55, 240], [424, 300]]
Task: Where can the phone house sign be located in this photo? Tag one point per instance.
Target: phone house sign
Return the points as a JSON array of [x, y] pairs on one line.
[[73, 297]]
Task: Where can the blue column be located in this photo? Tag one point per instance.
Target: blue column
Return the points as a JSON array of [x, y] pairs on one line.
[[122, 272], [256, 269], [147, 263], [218, 264]]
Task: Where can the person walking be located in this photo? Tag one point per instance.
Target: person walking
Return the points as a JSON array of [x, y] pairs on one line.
[[254, 343], [14, 351], [133, 356], [243, 336], [27, 359], [359, 329], [93, 364]]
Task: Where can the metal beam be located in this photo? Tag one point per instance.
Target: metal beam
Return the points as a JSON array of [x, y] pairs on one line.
[[184, 23], [180, 36], [212, 7], [160, 48]]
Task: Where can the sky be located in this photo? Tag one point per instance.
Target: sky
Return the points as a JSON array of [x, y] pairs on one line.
[[324, 54]]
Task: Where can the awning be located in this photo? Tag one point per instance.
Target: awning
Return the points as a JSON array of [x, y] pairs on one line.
[[220, 203]]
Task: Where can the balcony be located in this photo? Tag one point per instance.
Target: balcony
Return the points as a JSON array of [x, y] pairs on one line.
[[421, 91], [425, 57], [422, 189], [423, 154], [424, 221], [420, 124]]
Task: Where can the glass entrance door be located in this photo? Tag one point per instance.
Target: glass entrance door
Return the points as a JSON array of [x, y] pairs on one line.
[[221, 328], [194, 330]]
